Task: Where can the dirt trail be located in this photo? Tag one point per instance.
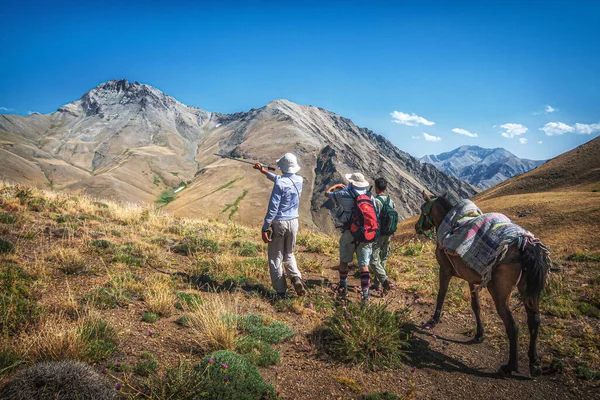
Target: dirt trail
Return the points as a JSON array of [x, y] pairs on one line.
[[447, 366]]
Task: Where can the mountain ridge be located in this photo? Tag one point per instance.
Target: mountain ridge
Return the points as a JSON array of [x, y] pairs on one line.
[[132, 142], [481, 167]]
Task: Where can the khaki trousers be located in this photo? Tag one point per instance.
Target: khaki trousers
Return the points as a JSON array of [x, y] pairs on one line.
[[281, 253]]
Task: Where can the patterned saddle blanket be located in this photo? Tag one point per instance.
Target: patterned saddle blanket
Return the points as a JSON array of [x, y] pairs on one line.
[[481, 240]]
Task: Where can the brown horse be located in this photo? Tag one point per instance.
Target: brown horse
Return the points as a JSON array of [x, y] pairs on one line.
[[524, 268]]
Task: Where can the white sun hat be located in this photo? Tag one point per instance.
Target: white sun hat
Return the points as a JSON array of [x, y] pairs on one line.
[[288, 163], [357, 180]]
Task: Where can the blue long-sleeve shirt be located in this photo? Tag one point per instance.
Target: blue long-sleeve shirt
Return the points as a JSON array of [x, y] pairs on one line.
[[285, 198]]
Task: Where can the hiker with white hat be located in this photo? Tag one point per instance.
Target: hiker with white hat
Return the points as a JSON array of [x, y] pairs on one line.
[[358, 221], [282, 220]]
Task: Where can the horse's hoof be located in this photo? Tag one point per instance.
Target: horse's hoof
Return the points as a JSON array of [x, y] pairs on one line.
[[535, 370], [478, 339], [507, 370], [432, 322]]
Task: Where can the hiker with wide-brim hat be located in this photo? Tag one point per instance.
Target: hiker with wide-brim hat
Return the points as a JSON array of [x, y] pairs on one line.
[[345, 196], [280, 226]]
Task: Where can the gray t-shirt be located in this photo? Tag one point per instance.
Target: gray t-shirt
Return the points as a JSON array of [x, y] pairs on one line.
[[380, 200]]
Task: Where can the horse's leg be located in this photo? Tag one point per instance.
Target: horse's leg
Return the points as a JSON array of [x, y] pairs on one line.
[[533, 323], [445, 275], [477, 310], [501, 289]]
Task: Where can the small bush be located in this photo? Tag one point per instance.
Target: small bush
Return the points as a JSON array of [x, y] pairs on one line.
[[246, 249], [147, 366], [586, 373], [58, 380], [6, 246], [188, 300], [102, 243], [6, 218], [184, 321], [263, 328], [159, 296], [212, 330], [69, 261], [117, 292], [150, 317], [100, 338], [37, 204], [257, 351], [18, 309], [183, 381], [191, 244], [231, 376], [349, 383], [369, 335], [584, 257], [588, 309]]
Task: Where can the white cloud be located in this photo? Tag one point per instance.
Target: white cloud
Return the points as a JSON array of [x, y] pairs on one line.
[[549, 109], [587, 129], [522, 140], [511, 130], [6, 109], [409, 119], [465, 132], [416, 137], [540, 142], [431, 138], [556, 128], [560, 128]]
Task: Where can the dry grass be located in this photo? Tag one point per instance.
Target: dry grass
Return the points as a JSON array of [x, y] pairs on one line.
[[69, 260], [55, 339], [159, 295], [212, 331]]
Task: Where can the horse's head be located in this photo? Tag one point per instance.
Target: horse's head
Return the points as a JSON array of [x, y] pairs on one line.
[[425, 223]]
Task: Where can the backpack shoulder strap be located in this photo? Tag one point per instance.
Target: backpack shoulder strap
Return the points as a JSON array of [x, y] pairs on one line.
[[295, 187]]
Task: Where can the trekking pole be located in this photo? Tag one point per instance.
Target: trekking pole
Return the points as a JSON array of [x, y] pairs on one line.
[[244, 161]]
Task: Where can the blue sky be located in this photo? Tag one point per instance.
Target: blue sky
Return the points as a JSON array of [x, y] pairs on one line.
[[483, 67]]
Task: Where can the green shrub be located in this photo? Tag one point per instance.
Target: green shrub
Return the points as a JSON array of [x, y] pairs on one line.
[[87, 216], [6, 218], [191, 244], [584, 257], [586, 373], [100, 205], [183, 381], [18, 309], [588, 309], [100, 339], [117, 292], [147, 366], [257, 351], [246, 249], [150, 317], [369, 335], [101, 243], [262, 328], [63, 218], [558, 365], [127, 259], [6, 246], [228, 375], [37, 204], [184, 320], [188, 300]]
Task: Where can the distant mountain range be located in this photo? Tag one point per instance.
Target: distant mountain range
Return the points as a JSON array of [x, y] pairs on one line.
[[481, 167], [130, 141]]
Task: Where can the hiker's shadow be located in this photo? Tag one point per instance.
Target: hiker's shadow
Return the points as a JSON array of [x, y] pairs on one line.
[[423, 356]]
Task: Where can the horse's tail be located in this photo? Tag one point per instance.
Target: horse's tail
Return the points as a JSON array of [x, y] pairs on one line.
[[536, 263]]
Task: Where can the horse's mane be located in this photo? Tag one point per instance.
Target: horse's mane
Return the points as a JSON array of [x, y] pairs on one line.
[[445, 203]]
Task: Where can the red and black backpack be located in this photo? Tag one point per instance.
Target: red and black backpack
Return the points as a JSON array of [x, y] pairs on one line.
[[364, 223]]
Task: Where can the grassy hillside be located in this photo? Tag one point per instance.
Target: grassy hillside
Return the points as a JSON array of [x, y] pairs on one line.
[[147, 299]]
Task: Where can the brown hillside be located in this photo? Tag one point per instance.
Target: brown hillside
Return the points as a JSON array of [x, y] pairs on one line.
[[575, 170]]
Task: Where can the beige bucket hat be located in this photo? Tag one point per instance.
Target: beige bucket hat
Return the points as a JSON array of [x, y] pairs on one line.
[[288, 163], [357, 180]]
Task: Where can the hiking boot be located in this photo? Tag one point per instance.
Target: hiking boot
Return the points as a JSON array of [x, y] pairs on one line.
[[282, 296], [298, 286], [387, 286]]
